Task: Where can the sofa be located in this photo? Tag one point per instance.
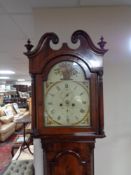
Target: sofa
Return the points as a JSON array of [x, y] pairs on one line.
[[10, 115], [19, 167]]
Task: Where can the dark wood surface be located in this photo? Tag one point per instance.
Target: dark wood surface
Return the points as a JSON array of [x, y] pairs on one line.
[[69, 158], [67, 150]]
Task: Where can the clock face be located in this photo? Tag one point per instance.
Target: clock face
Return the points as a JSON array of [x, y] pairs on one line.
[[67, 101]]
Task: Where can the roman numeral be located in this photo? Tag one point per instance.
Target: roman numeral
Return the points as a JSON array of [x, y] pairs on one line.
[[58, 88], [49, 103], [76, 117], [81, 93], [84, 102], [82, 110], [59, 117], [52, 111], [68, 120], [66, 85], [52, 95]]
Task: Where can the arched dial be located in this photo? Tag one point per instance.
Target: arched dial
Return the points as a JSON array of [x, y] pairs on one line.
[[67, 103]]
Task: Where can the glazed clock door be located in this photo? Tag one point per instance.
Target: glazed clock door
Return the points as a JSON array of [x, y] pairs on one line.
[[66, 96]]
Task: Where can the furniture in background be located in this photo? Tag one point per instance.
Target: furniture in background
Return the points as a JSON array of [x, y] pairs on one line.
[[10, 114], [25, 139], [1, 99], [24, 164], [14, 94], [19, 141], [25, 154], [6, 130], [20, 167], [22, 88]]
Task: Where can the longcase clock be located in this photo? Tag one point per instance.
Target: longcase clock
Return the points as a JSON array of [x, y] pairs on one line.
[[67, 102]]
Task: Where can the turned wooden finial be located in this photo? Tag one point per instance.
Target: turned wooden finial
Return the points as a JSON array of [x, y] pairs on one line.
[[102, 43], [28, 46]]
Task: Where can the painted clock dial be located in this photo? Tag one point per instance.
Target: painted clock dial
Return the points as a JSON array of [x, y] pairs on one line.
[[67, 99]]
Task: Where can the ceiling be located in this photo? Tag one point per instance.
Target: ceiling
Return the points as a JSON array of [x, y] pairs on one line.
[[16, 26]]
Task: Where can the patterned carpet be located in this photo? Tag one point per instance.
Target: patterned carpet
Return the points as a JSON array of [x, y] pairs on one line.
[[5, 153], [5, 156]]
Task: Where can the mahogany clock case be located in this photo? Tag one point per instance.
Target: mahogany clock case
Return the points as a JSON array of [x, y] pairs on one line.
[[89, 58], [68, 149]]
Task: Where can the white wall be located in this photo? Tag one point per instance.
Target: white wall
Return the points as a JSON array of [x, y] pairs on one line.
[[113, 153]]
